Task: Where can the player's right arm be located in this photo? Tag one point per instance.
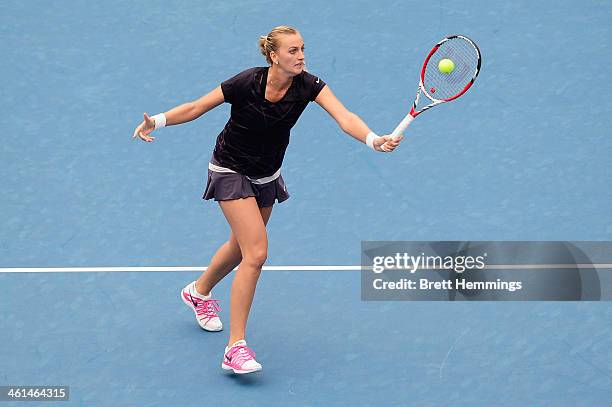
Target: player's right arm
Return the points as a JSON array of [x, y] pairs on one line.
[[181, 114], [352, 124]]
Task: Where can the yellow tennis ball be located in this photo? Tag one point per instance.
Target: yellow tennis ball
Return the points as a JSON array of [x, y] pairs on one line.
[[446, 65]]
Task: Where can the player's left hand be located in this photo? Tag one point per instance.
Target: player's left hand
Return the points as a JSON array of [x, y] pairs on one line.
[[387, 143], [145, 128]]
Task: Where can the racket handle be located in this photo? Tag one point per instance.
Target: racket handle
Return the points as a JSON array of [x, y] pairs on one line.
[[399, 130]]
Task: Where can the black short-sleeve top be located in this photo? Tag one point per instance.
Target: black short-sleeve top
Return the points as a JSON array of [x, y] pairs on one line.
[[254, 140]]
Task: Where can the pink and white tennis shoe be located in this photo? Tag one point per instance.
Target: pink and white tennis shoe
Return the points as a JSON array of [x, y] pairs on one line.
[[240, 358], [206, 309]]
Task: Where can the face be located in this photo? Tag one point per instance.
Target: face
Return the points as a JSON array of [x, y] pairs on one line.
[[290, 54]]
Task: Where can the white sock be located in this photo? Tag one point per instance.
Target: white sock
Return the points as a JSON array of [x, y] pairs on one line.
[[240, 342], [195, 293]]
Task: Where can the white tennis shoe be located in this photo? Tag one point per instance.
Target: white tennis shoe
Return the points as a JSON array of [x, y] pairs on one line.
[[204, 306]]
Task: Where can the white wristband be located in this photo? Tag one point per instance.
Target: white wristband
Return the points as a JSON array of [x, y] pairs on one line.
[[370, 139], [160, 120]]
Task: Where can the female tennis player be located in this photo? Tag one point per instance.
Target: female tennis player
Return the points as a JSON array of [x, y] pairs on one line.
[[244, 172]]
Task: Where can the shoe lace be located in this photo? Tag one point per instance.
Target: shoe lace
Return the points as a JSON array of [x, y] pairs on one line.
[[240, 354], [207, 308]]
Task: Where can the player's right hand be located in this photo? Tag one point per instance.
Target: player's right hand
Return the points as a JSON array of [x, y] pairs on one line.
[[387, 143], [144, 129]]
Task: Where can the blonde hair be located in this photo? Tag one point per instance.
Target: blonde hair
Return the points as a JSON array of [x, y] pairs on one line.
[[271, 42]]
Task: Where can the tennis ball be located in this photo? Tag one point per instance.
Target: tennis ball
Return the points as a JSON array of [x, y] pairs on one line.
[[446, 65]]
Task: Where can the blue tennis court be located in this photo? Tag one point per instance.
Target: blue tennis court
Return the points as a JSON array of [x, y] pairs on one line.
[[524, 155]]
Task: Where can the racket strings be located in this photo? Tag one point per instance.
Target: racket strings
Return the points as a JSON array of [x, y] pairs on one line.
[[439, 85], [462, 69]]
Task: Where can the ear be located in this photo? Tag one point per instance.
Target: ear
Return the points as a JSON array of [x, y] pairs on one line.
[[273, 57]]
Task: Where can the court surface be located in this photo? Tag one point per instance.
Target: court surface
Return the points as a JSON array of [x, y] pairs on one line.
[[525, 155]]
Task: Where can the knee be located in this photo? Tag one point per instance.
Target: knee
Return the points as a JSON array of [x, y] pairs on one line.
[[256, 257]]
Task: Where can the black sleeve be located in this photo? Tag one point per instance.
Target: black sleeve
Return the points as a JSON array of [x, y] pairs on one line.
[[237, 85], [313, 85]]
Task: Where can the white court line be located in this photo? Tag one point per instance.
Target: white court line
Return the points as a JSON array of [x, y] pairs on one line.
[[283, 268], [128, 269]]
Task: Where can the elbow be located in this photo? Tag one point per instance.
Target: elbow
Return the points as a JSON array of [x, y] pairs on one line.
[[194, 110], [346, 121]]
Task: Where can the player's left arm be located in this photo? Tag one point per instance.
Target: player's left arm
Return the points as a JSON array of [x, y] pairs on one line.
[[350, 123]]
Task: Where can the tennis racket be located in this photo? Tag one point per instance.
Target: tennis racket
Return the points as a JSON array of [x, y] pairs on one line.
[[438, 87]]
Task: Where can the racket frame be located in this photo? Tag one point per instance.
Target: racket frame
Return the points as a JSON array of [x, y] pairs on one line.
[[401, 127]]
